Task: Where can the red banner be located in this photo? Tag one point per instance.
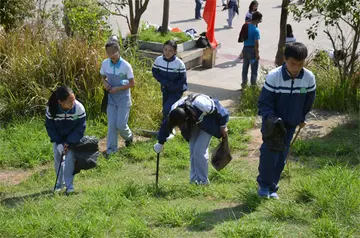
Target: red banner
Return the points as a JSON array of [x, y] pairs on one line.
[[209, 17]]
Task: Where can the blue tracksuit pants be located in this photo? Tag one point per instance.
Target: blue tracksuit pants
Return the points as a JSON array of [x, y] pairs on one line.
[[169, 98], [272, 163]]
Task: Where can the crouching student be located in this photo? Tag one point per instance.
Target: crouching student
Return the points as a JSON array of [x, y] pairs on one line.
[[199, 117], [117, 77], [287, 96], [65, 125]]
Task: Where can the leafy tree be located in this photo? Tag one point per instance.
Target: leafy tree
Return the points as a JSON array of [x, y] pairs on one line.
[[14, 12], [85, 19], [337, 16]]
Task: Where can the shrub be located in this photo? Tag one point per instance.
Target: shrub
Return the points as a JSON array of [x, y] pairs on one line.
[[14, 12], [151, 35], [31, 66]]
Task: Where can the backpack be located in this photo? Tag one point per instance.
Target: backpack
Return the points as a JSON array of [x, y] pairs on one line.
[[244, 33], [202, 42]]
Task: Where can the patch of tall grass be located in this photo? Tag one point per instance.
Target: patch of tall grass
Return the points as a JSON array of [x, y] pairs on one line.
[[32, 65], [150, 34]]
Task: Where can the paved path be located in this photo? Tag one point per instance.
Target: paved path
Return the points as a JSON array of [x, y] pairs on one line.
[[223, 81]]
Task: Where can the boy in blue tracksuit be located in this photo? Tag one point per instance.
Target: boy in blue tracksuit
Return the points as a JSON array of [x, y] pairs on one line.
[[199, 117], [170, 72], [65, 124], [288, 93]]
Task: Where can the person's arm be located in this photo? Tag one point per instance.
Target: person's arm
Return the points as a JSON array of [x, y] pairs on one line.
[[156, 71], [51, 129], [79, 130], [103, 77], [310, 97], [181, 80], [257, 38], [266, 103]]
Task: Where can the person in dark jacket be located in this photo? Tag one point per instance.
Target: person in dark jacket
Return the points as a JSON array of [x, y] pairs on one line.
[[170, 72], [199, 117], [288, 94], [65, 124]]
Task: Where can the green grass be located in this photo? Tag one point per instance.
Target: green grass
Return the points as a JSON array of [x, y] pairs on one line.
[[119, 199], [248, 105], [151, 35]]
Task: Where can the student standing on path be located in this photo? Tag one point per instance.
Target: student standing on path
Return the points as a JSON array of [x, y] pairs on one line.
[[198, 4], [170, 72], [233, 9], [288, 95], [65, 124], [289, 34], [253, 7], [199, 117], [251, 51], [117, 77]]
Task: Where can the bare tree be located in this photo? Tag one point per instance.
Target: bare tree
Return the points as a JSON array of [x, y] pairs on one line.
[[165, 20], [279, 58], [136, 9]]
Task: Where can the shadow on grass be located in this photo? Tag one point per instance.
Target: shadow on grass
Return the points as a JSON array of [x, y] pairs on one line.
[[15, 201], [207, 220]]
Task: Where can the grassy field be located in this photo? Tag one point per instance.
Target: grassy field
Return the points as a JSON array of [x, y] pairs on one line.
[[118, 198]]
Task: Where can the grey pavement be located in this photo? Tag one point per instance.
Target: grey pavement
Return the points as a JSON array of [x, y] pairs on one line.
[[223, 81]]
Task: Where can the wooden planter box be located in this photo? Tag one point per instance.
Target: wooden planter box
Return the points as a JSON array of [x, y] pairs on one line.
[[158, 47]]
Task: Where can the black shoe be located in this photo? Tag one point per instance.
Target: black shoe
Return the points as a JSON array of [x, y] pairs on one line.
[[129, 141]]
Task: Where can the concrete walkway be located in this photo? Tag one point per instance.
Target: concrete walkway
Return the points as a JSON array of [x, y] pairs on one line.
[[223, 81]]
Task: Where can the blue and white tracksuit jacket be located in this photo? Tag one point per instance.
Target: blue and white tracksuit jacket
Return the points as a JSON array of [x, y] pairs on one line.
[[66, 127], [171, 74], [290, 99], [210, 116]]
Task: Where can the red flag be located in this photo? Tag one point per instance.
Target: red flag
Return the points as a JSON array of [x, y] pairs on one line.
[[209, 17]]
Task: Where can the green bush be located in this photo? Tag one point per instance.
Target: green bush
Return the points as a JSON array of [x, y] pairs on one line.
[[248, 105], [32, 66], [331, 93], [86, 20], [151, 35], [14, 12]]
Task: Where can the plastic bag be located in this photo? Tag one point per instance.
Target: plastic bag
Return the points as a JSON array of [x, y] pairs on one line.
[[221, 155]]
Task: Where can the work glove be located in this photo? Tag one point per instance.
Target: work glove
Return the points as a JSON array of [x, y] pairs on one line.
[[158, 148], [60, 149]]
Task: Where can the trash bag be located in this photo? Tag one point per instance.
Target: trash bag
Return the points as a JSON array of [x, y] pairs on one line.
[[221, 155], [202, 42], [86, 153], [274, 133]]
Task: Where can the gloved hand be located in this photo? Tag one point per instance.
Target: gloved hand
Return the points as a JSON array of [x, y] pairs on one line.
[[158, 148], [60, 148]]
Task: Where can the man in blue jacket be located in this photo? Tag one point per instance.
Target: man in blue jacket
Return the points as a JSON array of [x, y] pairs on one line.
[[199, 117], [288, 94]]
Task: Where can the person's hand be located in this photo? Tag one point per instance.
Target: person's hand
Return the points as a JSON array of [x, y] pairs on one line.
[[66, 148], [302, 124], [257, 57], [224, 131], [158, 148], [60, 149], [106, 85], [114, 90]]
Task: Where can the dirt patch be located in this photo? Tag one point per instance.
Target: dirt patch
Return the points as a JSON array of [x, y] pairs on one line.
[[121, 142], [16, 176], [319, 124]]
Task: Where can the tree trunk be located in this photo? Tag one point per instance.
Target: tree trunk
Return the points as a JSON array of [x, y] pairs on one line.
[[279, 58], [165, 20]]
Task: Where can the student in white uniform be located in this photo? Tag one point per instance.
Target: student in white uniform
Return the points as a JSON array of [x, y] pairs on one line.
[[117, 77]]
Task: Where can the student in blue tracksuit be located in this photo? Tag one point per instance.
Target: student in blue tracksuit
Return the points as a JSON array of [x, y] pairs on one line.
[[199, 117], [170, 72], [65, 125], [288, 93], [117, 77]]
